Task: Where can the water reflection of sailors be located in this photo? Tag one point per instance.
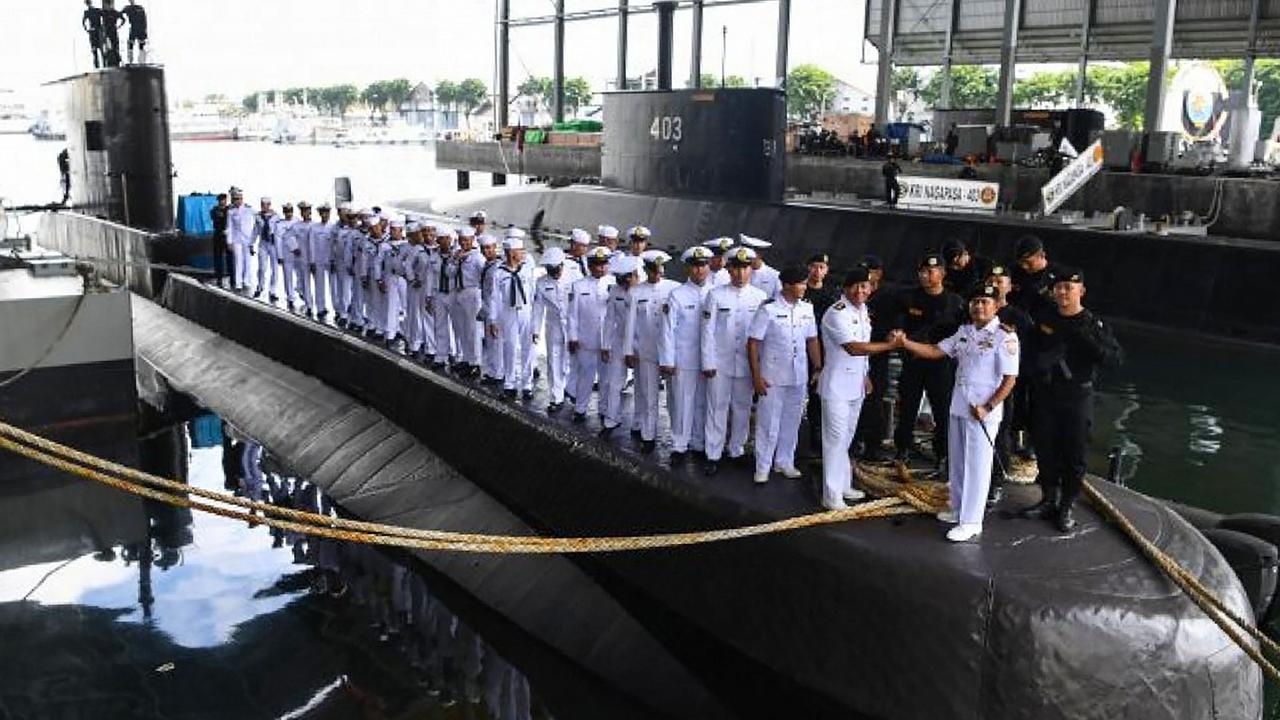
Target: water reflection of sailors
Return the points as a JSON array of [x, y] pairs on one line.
[[987, 356], [1071, 343]]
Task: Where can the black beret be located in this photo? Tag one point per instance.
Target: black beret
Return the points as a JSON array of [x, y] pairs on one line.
[[857, 275], [817, 258], [1027, 246], [1068, 274], [793, 274], [932, 260], [872, 262], [998, 270], [984, 291]]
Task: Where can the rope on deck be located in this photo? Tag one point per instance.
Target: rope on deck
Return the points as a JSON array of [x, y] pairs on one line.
[[900, 494]]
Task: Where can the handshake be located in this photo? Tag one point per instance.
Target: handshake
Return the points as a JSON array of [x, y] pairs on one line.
[[897, 338]]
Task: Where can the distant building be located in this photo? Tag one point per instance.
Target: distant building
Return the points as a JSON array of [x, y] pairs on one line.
[[850, 98], [419, 109]]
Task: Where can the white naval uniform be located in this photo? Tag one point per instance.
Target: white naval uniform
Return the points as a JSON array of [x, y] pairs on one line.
[[444, 297], [769, 280], [726, 317], [240, 223], [588, 299], [984, 356], [618, 323], [783, 330], [393, 274], [265, 228], [340, 271], [842, 388], [574, 269], [316, 291], [550, 320], [511, 308], [647, 300], [415, 311], [464, 313], [284, 228], [680, 346], [491, 353], [720, 277], [362, 291], [296, 250], [377, 296]]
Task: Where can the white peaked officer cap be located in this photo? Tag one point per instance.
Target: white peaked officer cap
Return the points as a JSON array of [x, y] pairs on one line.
[[754, 242], [721, 245], [623, 264], [487, 240], [608, 231], [513, 243], [467, 232], [515, 232], [654, 257], [580, 237], [740, 256], [552, 257], [265, 200], [639, 231]]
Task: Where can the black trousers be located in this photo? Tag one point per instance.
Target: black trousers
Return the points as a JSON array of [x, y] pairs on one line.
[[891, 191], [221, 260], [873, 423], [1061, 428], [933, 378], [1015, 418]]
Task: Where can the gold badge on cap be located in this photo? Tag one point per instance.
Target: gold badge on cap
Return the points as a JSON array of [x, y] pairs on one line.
[[742, 255]]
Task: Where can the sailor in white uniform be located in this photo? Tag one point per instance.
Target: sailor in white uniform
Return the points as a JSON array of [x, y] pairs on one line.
[[638, 237], [240, 222], [319, 238], [575, 261], [550, 320], [762, 275], [511, 308], [846, 341], [364, 291], [647, 299], [265, 226], [340, 265], [721, 247], [782, 344], [297, 246], [588, 300], [441, 294], [465, 311], [414, 307], [607, 236], [618, 323], [986, 354], [680, 354], [492, 370], [284, 228], [726, 318]]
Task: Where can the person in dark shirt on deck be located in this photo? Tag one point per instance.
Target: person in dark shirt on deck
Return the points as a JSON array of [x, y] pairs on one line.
[[822, 296], [218, 215]]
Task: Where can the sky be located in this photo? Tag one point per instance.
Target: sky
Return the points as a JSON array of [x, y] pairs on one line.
[[235, 47]]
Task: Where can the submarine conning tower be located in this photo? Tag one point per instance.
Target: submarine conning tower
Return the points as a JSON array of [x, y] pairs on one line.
[[118, 142]]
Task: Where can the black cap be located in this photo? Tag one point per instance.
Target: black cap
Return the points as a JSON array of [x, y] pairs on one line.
[[793, 274], [984, 291], [857, 275], [932, 260], [953, 248], [998, 270], [1027, 246], [818, 258], [1068, 274], [872, 262]]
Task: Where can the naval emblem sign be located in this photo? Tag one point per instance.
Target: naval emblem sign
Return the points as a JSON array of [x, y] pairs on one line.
[[1073, 177], [946, 193]]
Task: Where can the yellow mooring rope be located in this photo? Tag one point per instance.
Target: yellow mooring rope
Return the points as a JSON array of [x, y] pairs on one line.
[[901, 499]]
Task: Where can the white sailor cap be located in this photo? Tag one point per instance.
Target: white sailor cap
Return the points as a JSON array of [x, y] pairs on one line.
[[397, 223], [370, 221], [515, 232], [654, 257], [412, 226], [639, 232], [236, 192], [344, 207], [740, 256], [384, 215], [304, 205], [552, 257], [365, 213], [721, 245], [623, 264], [697, 255], [324, 207], [445, 232], [513, 243], [607, 231], [467, 232], [487, 240], [265, 200], [479, 215], [441, 229], [580, 237], [754, 242]]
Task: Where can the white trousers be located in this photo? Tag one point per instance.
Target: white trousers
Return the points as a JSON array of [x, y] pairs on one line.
[[728, 408], [613, 376], [839, 422], [267, 265], [687, 408], [376, 306], [777, 426], [516, 329], [240, 265], [414, 319], [442, 321], [394, 305], [357, 315], [969, 458], [493, 353], [645, 403], [557, 362], [466, 329], [340, 292], [295, 272], [590, 372], [316, 293]]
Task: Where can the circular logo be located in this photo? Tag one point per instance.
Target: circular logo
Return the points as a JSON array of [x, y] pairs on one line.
[[988, 195]]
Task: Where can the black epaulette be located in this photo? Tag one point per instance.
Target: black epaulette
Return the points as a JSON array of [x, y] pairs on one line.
[[805, 300], [766, 302], [1008, 328], [839, 305]]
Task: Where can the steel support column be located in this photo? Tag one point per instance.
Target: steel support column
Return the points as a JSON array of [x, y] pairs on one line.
[[1008, 61], [666, 33], [557, 98], [784, 35], [502, 105], [695, 64], [884, 72], [953, 23], [1086, 30], [1251, 53], [621, 81], [1161, 43]]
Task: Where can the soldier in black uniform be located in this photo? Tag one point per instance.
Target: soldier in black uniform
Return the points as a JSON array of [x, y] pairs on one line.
[[137, 18], [91, 21], [873, 421], [890, 171], [218, 215], [929, 314], [1072, 343], [1016, 405], [111, 22], [1033, 278], [821, 296], [965, 271]]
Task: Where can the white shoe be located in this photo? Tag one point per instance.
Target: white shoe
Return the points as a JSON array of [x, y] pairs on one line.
[[964, 533], [854, 495], [949, 516], [761, 478], [789, 472], [837, 505]]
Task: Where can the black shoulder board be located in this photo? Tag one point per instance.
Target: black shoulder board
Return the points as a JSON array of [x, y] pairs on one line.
[[1008, 328], [766, 302]]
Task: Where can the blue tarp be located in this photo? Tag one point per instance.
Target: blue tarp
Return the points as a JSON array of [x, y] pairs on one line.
[[193, 214], [206, 431]]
